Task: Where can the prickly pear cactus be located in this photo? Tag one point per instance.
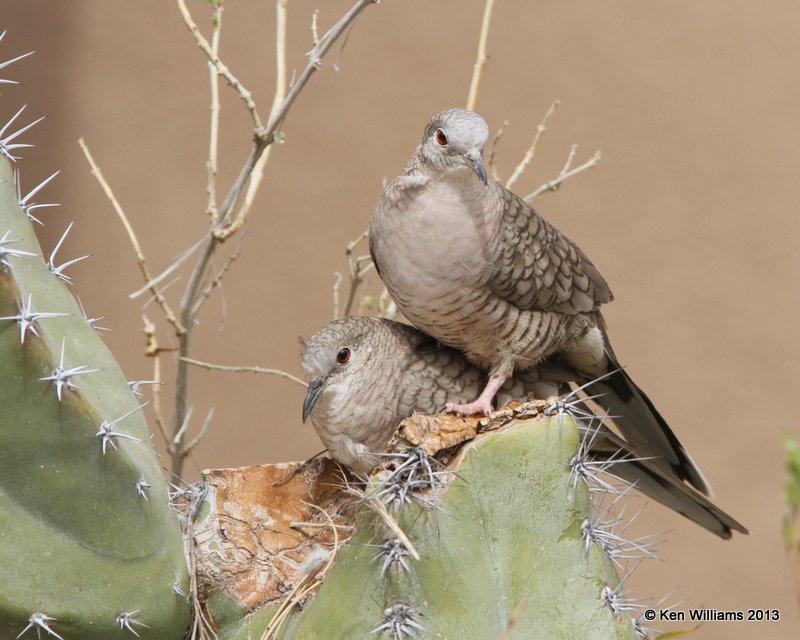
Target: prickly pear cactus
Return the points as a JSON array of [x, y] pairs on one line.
[[89, 547], [498, 542]]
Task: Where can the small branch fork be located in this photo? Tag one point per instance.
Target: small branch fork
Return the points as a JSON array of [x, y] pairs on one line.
[[357, 268]]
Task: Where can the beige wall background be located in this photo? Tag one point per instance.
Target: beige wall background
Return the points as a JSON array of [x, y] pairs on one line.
[[691, 215]]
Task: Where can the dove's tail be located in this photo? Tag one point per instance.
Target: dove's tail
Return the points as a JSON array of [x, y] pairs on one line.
[[642, 424], [651, 480]]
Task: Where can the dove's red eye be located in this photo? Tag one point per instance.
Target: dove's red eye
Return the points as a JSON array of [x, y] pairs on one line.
[[441, 137], [343, 356]]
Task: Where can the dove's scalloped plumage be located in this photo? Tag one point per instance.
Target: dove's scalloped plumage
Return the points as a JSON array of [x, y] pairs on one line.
[[403, 370]]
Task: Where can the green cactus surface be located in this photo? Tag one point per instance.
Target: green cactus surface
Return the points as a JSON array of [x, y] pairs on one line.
[[88, 542], [502, 552]]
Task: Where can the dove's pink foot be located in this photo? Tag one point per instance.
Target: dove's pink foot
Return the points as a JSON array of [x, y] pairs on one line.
[[483, 405]]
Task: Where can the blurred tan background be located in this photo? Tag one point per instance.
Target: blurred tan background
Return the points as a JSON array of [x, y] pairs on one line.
[[691, 215]]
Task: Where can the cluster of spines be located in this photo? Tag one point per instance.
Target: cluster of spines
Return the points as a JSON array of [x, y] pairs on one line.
[[410, 475], [607, 524]]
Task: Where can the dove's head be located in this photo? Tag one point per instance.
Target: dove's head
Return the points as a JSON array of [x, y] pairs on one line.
[[343, 361], [349, 376], [453, 141]]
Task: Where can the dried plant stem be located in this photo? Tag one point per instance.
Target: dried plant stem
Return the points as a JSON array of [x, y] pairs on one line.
[[566, 174], [213, 138], [257, 174], [234, 369], [212, 56], [137, 249], [531, 152], [154, 351], [482, 57], [493, 150], [356, 273]]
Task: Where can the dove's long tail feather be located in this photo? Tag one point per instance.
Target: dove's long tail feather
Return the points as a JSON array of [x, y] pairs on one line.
[[650, 480], [642, 424]]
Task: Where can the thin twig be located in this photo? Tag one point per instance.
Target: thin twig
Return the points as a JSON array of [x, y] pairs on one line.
[[355, 271], [552, 185], [531, 152], [137, 250], [480, 62], [493, 149], [356, 279], [154, 351], [214, 59], [196, 440], [335, 289], [257, 174], [213, 138], [216, 281], [220, 367], [314, 29], [184, 255]]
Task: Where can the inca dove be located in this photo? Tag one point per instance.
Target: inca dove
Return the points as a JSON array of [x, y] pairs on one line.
[[477, 268], [368, 374]]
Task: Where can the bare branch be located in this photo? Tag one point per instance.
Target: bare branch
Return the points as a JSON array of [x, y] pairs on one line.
[[335, 290], [531, 152], [493, 149], [257, 174], [137, 250], [565, 174], [152, 350], [216, 281], [480, 62], [314, 30], [196, 440], [220, 367], [213, 138], [356, 279], [244, 94]]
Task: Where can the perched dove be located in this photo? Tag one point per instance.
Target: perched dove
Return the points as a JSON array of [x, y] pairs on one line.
[[476, 267], [368, 374]]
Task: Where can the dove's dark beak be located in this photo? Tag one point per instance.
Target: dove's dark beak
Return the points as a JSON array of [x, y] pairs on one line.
[[315, 388], [475, 160]]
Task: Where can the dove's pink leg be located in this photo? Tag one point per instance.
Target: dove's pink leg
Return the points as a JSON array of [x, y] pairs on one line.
[[484, 402]]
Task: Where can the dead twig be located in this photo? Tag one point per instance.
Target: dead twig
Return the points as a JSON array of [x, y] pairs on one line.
[[531, 152], [566, 174], [137, 249], [492, 150], [213, 138], [235, 369], [222, 70], [482, 57]]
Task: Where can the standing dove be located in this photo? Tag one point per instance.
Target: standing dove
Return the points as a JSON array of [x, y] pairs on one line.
[[476, 267], [368, 374]]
